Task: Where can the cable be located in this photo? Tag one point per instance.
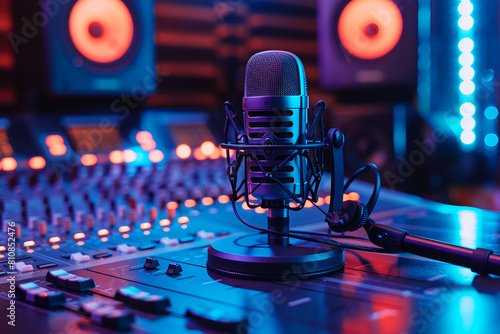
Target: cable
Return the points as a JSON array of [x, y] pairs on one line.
[[376, 188], [295, 236]]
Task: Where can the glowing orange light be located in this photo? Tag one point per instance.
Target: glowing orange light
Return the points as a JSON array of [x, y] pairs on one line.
[[143, 136], [56, 246], [223, 152], [147, 232], [88, 159], [58, 150], [365, 33], [345, 197], [166, 229], [145, 226], [260, 210], [216, 155], [3, 249], [125, 235], [183, 151], [104, 239], [189, 203], [183, 220], [198, 155], [53, 240], [156, 156], [102, 30], [129, 156], [52, 140], [320, 201], [223, 199], [80, 243], [252, 197], [328, 199], [165, 222], [9, 164], [79, 236], [149, 145], [245, 206], [207, 201], [29, 243], [354, 196], [37, 163], [172, 205], [123, 229], [207, 148], [102, 232], [30, 250], [116, 157], [308, 204]]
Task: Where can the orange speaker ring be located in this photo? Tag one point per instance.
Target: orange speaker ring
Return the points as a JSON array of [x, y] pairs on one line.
[[101, 30], [370, 29]]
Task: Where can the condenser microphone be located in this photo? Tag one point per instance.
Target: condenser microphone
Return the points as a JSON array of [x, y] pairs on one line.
[[282, 155], [275, 113]]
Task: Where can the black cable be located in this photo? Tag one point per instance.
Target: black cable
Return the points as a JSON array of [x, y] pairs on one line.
[[376, 188], [300, 237]]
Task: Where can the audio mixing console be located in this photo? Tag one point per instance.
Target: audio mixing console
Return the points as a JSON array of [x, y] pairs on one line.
[[110, 243]]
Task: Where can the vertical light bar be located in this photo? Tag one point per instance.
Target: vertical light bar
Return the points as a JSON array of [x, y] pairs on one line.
[[424, 89], [466, 73]]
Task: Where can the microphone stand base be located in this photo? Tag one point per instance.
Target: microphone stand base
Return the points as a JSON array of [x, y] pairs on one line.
[[249, 256]]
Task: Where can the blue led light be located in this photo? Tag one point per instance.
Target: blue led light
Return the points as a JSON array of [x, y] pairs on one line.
[[467, 137], [491, 139], [466, 22], [466, 73], [467, 87], [468, 123], [467, 109], [466, 59], [465, 8], [466, 44], [491, 112]]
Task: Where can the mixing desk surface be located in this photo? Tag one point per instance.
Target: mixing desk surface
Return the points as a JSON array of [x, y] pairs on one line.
[[114, 246]]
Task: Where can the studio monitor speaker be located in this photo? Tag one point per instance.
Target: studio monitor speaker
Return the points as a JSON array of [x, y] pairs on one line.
[[87, 47], [367, 43]]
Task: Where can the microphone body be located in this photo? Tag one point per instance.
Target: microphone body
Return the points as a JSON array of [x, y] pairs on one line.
[[275, 113]]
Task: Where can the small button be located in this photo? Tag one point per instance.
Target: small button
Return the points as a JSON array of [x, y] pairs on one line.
[[142, 299], [217, 319], [147, 246], [186, 239], [47, 265], [40, 296], [174, 269], [205, 235], [102, 255], [169, 242], [79, 257], [23, 267], [108, 316], [124, 248], [80, 284], [53, 275], [151, 263]]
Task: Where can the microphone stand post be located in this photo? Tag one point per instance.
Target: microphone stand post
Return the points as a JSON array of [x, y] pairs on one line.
[[277, 220]]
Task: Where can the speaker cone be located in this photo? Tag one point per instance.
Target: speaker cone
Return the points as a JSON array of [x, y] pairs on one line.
[[370, 29], [101, 30]]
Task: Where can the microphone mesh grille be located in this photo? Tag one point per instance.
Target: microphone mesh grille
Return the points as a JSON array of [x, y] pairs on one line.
[[273, 73]]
